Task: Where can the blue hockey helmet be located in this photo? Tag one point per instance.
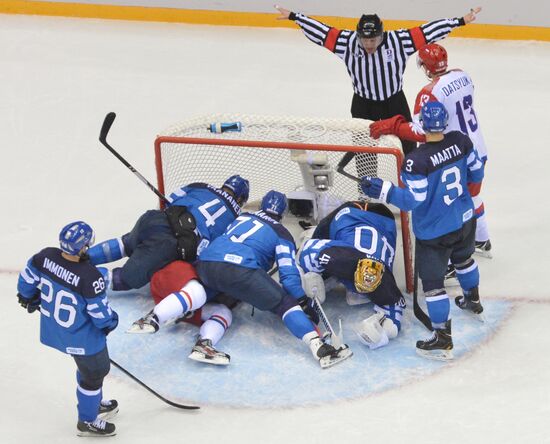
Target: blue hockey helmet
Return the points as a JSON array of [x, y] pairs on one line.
[[240, 188], [76, 236], [275, 204], [434, 117]]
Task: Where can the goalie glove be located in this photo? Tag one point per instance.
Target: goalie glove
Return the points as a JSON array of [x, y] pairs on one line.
[[376, 188], [386, 126], [32, 304]]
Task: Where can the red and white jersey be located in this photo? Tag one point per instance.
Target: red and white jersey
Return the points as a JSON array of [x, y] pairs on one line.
[[455, 90]]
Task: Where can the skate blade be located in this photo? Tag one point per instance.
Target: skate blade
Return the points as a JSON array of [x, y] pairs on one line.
[[436, 355], [94, 435], [483, 253], [141, 329], [108, 415], [328, 361], [214, 360]]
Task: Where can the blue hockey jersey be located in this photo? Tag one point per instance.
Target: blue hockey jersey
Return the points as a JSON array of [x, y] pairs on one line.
[[74, 307], [255, 240], [353, 234], [436, 176], [213, 208]]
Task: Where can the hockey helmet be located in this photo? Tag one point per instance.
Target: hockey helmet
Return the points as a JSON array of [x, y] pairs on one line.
[[240, 188], [433, 58], [75, 237], [370, 26], [275, 204], [434, 117]]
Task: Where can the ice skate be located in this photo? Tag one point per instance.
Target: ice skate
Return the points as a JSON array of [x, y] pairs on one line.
[[326, 354], [98, 427], [484, 249], [203, 351], [439, 346], [108, 409], [146, 325], [470, 302]]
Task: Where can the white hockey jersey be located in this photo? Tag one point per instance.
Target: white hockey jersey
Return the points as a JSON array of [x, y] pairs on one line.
[[455, 90]]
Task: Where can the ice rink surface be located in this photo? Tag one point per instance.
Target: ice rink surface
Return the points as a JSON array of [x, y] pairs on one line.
[[58, 79]]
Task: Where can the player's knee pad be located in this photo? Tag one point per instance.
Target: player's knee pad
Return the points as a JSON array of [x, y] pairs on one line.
[[287, 302], [430, 286], [196, 292], [217, 310], [91, 377]]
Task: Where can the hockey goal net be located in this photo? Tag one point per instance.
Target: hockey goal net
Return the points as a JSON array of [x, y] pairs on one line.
[[305, 158]]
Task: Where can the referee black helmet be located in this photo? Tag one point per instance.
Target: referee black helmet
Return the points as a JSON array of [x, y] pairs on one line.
[[370, 26]]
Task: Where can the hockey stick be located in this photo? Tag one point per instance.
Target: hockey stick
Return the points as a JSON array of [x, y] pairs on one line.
[[417, 309], [167, 401], [343, 163], [315, 288], [107, 123]]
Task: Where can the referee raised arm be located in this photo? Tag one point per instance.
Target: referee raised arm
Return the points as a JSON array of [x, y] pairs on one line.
[[376, 59]]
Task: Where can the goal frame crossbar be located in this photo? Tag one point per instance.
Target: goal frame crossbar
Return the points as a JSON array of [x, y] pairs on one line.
[[396, 152]]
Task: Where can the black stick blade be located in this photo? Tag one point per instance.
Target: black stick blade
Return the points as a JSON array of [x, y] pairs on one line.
[[106, 127]]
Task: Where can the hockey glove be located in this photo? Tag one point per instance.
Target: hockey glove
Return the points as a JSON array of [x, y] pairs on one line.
[[114, 324], [376, 188], [31, 305], [386, 126], [307, 306]]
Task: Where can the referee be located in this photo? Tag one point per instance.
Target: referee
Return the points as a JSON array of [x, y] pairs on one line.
[[376, 59]]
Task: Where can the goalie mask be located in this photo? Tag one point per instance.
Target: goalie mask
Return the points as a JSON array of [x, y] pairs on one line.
[[368, 275]]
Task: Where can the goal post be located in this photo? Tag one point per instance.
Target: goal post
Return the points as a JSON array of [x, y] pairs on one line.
[[297, 156]]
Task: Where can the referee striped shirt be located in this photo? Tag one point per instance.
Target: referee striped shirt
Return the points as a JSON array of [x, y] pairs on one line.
[[375, 76]]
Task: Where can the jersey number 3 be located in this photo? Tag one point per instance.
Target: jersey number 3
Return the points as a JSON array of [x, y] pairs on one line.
[[451, 180]]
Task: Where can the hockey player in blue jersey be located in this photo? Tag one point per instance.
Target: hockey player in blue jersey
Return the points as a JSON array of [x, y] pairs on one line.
[[75, 319], [237, 264], [436, 176], [356, 245], [197, 214]]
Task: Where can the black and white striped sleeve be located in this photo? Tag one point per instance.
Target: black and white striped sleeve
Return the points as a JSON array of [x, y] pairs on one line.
[[413, 39], [335, 40]]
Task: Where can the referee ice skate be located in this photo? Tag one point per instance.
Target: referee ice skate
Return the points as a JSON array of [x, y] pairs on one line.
[[376, 59]]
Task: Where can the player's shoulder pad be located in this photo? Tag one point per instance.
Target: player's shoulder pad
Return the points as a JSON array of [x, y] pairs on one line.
[[280, 230]]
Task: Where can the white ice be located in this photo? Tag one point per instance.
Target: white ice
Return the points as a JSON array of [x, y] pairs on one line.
[[59, 77]]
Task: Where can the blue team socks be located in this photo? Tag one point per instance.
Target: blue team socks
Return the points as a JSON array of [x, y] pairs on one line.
[[88, 402], [297, 322]]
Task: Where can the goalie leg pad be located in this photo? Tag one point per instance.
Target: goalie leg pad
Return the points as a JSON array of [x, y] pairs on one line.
[[376, 331]]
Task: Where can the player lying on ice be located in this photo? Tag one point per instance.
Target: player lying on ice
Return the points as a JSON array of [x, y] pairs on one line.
[[355, 244], [237, 264], [178, 294], [197, 214]]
